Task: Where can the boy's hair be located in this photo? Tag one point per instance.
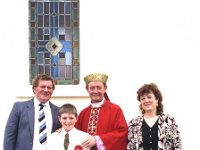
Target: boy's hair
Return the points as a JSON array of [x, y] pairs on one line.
[[68, 108]]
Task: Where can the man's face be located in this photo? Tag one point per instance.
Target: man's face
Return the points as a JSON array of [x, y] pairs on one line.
[[96, 90], [44, 90]]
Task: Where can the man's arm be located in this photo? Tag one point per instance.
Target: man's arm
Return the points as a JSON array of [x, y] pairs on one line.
[[11, 129]]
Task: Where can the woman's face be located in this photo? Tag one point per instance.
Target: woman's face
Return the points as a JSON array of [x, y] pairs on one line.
[[149, 102]]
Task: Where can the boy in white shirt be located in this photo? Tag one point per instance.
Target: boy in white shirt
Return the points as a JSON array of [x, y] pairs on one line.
[[68, 117]]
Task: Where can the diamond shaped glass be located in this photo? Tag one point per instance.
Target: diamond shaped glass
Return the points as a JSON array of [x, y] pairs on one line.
[[54, 46]]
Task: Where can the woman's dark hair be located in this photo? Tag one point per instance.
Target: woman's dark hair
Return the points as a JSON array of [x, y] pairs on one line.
[[151, 88]]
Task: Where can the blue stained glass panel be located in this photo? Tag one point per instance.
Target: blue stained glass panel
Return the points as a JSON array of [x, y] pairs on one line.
[[67, 8], [61, 30], [68, 58], [40, 8], [40, 58], [52, 25]]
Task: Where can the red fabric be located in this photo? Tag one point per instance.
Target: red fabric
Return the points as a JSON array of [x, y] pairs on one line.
[[112, 127]]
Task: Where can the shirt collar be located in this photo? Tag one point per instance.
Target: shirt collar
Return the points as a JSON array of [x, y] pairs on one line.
[[98, 104], [63, 132], [37, 102]]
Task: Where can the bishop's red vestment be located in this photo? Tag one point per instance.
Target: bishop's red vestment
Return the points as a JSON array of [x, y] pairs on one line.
[[111, 127]]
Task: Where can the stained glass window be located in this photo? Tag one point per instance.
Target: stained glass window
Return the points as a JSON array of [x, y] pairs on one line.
[[54, 40]]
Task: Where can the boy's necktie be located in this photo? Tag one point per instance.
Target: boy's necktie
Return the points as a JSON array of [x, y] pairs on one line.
[[66, 141]]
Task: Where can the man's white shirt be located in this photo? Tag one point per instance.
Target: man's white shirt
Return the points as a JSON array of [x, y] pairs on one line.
[[48, 119]]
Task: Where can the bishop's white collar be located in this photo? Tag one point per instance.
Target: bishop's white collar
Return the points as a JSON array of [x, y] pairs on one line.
[[98, 104]]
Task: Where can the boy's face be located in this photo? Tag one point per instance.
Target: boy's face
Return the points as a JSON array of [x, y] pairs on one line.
[[67, 121]]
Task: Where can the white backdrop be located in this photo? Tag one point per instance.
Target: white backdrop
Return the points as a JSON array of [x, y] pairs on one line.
[[134, 42]]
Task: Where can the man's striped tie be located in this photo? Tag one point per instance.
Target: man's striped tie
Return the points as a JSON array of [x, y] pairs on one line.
[[42, 125]]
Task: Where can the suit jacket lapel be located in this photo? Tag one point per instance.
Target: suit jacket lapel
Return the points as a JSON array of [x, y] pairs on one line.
[[52, 113]]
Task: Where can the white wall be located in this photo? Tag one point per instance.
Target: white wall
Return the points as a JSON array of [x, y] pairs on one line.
[[134, 42]]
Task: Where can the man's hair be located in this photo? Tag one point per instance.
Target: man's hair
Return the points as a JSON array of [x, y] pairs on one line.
[[39, 77]]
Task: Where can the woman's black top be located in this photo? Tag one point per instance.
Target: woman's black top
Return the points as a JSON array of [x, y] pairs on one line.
[[150, 136]]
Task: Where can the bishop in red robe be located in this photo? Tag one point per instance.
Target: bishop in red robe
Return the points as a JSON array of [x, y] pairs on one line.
[[103, 118]]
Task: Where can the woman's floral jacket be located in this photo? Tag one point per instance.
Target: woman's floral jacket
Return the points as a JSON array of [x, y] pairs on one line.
[[168, 134]]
